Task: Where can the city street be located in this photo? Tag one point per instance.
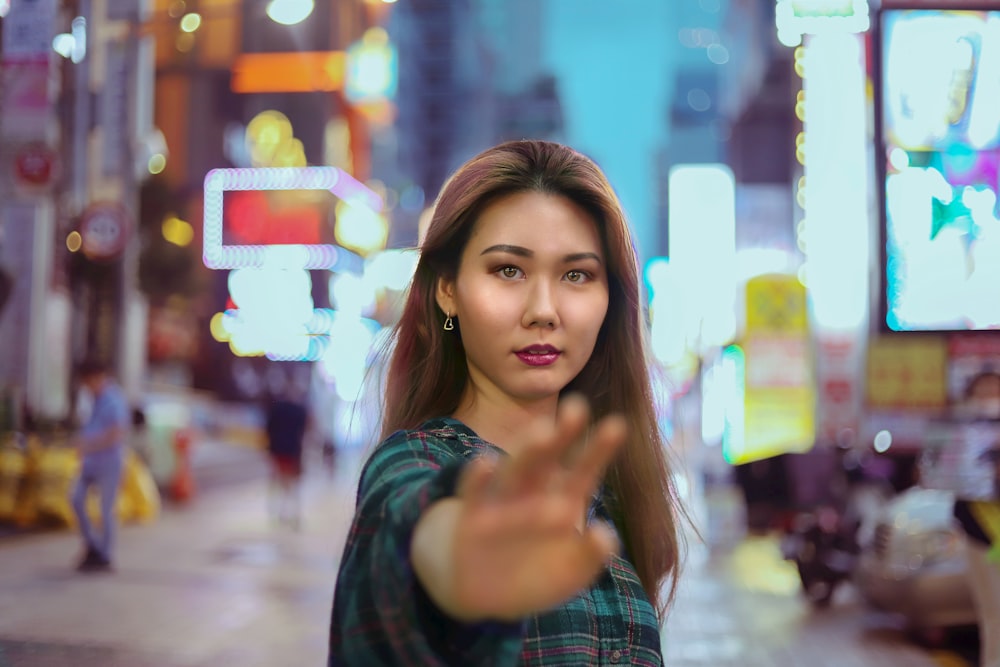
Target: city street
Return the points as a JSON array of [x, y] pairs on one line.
[[214, 583]]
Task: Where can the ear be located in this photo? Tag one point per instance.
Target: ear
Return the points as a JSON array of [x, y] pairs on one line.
[[445, 295]]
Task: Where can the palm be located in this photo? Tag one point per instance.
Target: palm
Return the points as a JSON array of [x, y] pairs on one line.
[[520, 543]]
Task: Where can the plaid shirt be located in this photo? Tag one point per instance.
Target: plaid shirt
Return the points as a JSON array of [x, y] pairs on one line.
[[382, 615]]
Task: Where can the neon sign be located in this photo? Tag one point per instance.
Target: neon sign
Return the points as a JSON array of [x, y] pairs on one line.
[[220, 254]]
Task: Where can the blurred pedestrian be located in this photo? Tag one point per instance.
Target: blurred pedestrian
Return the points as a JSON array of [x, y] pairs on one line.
[[978, 509], [101, 443], [6, 288], [287, 420], [519, 508]]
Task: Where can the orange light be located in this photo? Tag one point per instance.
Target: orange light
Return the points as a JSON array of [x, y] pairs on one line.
[[294, 72]]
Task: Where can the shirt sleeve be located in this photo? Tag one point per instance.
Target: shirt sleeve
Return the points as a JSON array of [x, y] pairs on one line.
[[381, 614]]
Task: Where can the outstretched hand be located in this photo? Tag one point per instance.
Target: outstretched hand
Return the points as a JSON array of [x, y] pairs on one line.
[[514, 540]]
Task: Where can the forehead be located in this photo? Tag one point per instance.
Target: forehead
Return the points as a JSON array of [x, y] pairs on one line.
[[537, 221]]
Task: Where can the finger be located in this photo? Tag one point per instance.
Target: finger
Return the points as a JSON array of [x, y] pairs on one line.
[[608, 437], [537, 465]]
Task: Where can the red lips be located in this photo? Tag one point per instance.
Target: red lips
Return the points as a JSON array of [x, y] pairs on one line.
[[538, 355], [538, 349]]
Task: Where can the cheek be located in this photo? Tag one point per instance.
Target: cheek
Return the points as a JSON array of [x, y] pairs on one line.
[[592, 314], [483, 303]]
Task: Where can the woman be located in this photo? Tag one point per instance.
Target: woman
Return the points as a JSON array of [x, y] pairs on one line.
[[519, 509]]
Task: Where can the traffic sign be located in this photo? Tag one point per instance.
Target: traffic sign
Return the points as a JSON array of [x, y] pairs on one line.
[[104, 229]]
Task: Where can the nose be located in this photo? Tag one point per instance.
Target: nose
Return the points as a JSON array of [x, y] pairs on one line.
[[541, 307]]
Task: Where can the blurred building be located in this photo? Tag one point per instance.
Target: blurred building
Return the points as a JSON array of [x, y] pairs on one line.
[[77, 134], [223, 68], [471, 74]]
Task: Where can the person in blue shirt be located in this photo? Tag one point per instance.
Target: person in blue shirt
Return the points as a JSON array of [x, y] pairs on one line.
[[101, 445]]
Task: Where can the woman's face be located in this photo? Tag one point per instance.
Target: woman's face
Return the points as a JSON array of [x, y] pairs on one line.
[[530, 296]]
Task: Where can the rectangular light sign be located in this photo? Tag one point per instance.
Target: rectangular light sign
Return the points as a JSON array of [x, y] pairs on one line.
[[298, 72], [284, 214]]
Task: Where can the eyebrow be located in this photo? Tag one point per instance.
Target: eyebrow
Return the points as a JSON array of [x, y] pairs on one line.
[[521, 251]]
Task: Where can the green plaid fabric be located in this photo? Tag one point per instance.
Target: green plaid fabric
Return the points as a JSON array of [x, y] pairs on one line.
[[382, 616]]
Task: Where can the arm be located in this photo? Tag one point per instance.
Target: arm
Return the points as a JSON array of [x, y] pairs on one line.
[[382, 614], [108, 425], [101, 440]]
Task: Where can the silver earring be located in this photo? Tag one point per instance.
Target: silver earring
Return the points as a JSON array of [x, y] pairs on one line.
[[449, 324]]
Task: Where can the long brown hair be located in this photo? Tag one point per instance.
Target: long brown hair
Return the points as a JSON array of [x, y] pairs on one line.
[[427, 372]]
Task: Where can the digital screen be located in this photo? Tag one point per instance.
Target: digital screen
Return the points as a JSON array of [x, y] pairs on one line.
[[939, 114]]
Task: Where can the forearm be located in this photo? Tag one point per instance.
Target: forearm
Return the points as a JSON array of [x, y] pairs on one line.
[[378, 579], [431, 553]]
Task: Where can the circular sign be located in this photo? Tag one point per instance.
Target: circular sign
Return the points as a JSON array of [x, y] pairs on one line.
[[104, 230], [35, 164]]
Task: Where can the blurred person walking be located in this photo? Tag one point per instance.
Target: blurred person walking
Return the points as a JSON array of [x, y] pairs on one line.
[[101, 444], [519, 509], [287, 420]]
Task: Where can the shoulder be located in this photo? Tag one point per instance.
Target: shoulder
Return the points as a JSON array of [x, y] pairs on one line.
[[436, 440], [113, 394], [434, 444]]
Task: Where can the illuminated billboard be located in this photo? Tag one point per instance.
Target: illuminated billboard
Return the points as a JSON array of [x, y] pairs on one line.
[[286, 214], [938, 112]]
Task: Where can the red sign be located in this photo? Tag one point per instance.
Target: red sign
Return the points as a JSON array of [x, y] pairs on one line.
[[35, 164], [104, 228]]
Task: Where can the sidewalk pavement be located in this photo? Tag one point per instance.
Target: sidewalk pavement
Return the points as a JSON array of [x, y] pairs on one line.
[[214, 583], [210, 583]]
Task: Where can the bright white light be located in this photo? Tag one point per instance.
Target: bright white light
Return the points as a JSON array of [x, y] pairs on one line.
[[789, 38], [346, 361], [289, 12], [353, 295], [78, 29], [702, 241], [899, 159], [191, 22], [883, 440], [837, 237], [63, 44], [668, 301], [794, 18], [984, 120], [929, 67], [392, 269], [5, 8]]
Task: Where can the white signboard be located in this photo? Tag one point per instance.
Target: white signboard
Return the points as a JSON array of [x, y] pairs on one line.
[[28, 30]]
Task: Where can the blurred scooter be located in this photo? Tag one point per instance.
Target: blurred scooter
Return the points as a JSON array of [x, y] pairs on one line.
[[824, 541]]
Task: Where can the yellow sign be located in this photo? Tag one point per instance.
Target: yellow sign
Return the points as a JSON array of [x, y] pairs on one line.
[[776, 304], [906, 373], [779, 400]]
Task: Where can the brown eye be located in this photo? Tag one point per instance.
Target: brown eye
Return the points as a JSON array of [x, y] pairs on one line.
[[510, 271], [576, 276]]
